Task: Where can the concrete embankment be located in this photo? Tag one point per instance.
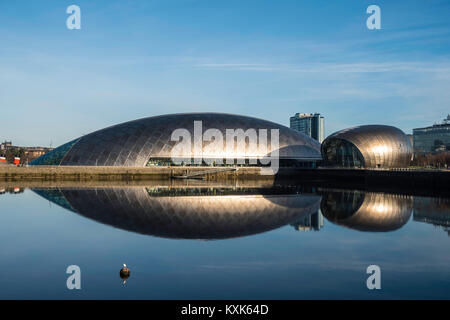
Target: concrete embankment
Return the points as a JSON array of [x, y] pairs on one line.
[[418, 182], [431, 180], [70, 173], [165, 183], [421, 181]]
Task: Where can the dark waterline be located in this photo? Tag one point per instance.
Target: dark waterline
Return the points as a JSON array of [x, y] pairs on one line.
[[213, 242]]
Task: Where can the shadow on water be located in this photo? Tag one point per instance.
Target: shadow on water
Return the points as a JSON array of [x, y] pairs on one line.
[[205, 210]]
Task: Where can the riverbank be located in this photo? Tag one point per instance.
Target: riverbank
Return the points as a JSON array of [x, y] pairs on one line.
[[418, 182], [72, 173], [426, 180]]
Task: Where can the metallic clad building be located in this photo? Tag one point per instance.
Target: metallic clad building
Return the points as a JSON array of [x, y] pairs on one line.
[[367, 211], [370, 146], [135, 143], [185, 213]]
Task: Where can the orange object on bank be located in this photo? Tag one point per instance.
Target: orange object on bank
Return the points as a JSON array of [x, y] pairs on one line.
[[2, 159], [16, 161]]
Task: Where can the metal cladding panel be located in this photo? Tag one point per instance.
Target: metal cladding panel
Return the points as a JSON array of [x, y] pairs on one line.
[[383, 146], [376, 213], [133, 143], [188, 217]]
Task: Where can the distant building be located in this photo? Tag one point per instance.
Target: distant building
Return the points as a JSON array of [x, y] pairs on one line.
[[432, 139], [35, 152], [312, 125], [24, 154], [311, 222], [5, 145]]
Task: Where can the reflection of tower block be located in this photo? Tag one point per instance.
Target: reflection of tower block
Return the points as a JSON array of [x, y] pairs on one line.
[[16, 161], [311, 222]]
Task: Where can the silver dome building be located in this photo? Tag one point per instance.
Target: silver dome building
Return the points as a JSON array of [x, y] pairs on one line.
[[149, 141], [369, 146]]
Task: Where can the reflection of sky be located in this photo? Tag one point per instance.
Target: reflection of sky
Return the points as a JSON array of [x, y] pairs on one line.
[[39, 240]]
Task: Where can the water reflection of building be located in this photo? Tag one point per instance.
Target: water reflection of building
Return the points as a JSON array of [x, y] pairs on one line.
[[311, 222], [367, 211], [187, 213], [435, 211], [12, 190]]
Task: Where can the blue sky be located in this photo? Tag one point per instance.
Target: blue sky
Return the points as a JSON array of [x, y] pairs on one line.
[[268, 59]]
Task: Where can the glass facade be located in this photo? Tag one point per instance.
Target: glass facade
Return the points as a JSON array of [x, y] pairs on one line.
[[166, 162], [203, 162], [54, 157], [342, 153], [432, 139]]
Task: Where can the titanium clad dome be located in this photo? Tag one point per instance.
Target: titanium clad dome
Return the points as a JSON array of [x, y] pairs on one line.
[[370, 146], [134, 143]]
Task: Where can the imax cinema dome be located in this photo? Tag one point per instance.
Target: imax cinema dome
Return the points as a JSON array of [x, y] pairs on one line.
[[369, 146], [148, 141]]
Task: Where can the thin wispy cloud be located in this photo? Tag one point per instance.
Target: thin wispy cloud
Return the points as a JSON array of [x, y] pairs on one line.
[[162, 59], [358, 67]]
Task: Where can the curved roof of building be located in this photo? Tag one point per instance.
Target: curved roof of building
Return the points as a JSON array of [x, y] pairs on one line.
[[141, 210], [133, 143], [367, 211], [382, 145]]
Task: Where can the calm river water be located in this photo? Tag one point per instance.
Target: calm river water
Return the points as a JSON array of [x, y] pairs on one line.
[[221, 241]]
